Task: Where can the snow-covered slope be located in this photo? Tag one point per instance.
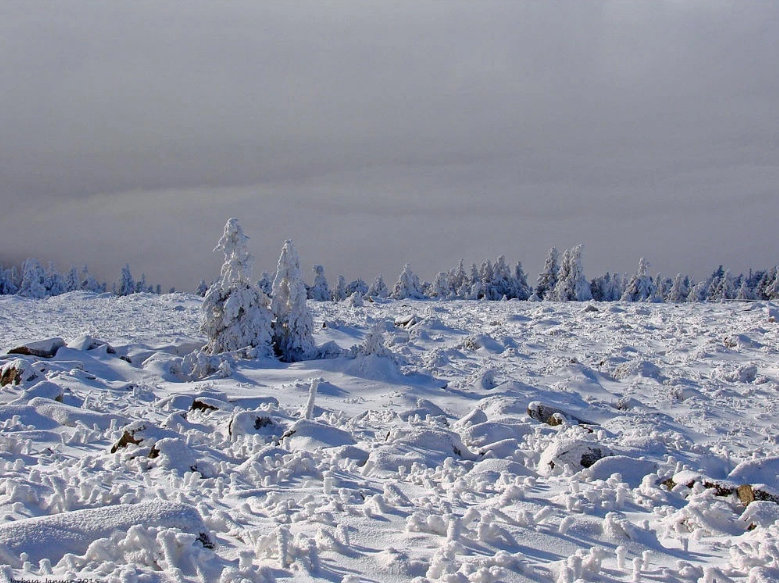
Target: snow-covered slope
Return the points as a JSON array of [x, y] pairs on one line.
[[500, 441]]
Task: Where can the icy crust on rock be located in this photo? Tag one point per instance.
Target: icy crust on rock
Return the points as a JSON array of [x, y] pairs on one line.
[[446, 441], [51, 537]]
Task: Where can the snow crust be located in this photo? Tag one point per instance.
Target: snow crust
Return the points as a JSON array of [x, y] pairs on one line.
[[453, 441]]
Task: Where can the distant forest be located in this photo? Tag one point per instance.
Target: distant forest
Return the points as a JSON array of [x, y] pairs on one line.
[[562, 279]]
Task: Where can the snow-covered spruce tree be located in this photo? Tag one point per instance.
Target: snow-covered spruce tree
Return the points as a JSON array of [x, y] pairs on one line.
[[407, 285], [771, 292], [459, 281], [126, 283], [339, 293], [71, 280], [522, 290], [640, 288], [571, 286], [9, 281], [502, 280], [378, 288], [265, 282], [357, 286], [745, 293], [235, 311], [320, 291], [441, 288], [547, 279], [293, 324], [89, 283], [33, 280], [55, 283], [678, 292], [202, 288]]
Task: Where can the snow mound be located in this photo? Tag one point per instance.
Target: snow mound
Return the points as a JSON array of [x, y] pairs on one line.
[[630, 470], [757, 471], [51, 537], [310, 435]]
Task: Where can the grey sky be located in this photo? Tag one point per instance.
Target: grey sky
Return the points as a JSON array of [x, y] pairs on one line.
[[376, 133]]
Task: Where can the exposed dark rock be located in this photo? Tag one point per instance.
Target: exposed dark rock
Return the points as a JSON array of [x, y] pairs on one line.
[[126, 439], [41, 348], [553, 415]]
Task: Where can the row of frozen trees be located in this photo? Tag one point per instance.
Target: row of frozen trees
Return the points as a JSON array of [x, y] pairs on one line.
[[562, 279], [33, 281]]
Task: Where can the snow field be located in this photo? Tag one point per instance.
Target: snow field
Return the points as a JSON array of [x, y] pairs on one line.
[[414, 458]]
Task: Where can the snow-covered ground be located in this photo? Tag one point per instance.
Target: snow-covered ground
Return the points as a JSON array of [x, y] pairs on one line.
[[651, 454]]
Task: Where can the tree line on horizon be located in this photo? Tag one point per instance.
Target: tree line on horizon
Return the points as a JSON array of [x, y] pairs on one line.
[[562, 279]]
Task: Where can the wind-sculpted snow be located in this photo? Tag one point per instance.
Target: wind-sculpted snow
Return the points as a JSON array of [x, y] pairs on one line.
[[459, 442]]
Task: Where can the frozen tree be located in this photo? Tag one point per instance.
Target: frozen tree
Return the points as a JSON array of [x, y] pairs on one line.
[[502, 280], [521, 290], [698, 292], [679, 290], [55, 283], [745, 293], [236, 312], [458, 281], [293, 324], [772, 291], [640, 288], [441, 288], [378, 288], [202, 288], [319, 292], [266, 282], [339, 293], [126, 283], [71, 280], [33, 280], [89, 283], [547, 279], [571, 284], [357, 286], [9, 281], [407, 285]]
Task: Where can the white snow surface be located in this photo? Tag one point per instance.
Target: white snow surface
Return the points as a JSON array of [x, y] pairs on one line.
[[418, 462]]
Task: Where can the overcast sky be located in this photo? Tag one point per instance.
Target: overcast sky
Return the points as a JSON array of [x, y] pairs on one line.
[[378, 133]]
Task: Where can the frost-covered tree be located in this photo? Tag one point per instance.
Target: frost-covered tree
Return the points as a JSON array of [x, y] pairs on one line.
[[502, 284], [293, 324], [266, 282], [745, 293], [521, 289], [572, 285], [640, 288], [547, 279], [55, 283], [441, 288], [236, 312], [378, 288], [33, 280], [339, 293], [357, 286], [89, 283], [679, 290], [698, 292], [9, 281], [126, 282], [407, 285], [71, 280], [458, 281], [320, 291], [202, 288], [771, 292]]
